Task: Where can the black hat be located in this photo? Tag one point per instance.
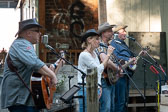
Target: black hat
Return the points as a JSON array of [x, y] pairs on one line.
[[27, 24], [91, 32]]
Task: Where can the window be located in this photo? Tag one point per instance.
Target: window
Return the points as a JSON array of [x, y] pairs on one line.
[[8, 4]]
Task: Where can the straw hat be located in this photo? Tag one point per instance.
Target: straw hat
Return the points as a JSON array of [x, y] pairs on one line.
[[119, 27]]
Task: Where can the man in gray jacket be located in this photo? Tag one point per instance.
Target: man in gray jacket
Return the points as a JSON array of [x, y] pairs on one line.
[[15, 95]]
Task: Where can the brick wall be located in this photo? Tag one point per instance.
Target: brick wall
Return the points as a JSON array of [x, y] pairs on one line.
[[65, 22]]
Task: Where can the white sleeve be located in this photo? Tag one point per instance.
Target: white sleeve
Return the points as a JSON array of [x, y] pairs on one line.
[[91, 63]]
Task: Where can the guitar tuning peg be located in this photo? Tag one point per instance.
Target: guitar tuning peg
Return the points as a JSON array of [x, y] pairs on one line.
[[147, 47]]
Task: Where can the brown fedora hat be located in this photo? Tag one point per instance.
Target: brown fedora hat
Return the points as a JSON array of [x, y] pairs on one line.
[[27, 24], [105, 26], [91, 32], [119, 27]]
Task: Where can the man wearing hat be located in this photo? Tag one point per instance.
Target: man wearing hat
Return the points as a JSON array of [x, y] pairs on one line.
[[122, 52], [15, 94], [108, 90], [89, 60]]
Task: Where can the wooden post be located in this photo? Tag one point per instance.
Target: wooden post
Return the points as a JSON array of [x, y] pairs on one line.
[[41, 10], [91, 89], [102, 12]]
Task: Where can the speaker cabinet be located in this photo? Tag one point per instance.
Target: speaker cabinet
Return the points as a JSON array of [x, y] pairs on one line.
[[157, 44]]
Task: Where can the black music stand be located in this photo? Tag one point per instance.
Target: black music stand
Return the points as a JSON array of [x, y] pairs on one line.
[[67, 96]]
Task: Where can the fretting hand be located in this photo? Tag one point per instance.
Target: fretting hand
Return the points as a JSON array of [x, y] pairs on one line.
[[110, 50], [133, 60]]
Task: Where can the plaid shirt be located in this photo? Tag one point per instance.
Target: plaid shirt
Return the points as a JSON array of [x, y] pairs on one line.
[[102, 49]]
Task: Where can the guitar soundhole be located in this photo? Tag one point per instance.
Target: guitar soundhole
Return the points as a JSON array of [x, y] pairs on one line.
[[122, 62], [36, 74], [37, 94]]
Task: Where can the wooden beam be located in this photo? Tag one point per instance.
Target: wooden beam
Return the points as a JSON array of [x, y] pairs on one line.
[[102, 12], [41, 9]]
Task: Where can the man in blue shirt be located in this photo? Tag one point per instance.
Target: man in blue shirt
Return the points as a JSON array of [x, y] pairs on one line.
[[122, 52]]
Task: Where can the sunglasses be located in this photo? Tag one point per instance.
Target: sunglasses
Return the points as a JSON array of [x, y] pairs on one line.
[[38, 31]]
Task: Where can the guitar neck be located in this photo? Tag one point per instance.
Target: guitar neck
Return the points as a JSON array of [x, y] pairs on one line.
[[137, 58], [128, 63], [59, 66], [61, 62]]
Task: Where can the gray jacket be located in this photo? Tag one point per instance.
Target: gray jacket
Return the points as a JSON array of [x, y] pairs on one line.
[[24, 57]]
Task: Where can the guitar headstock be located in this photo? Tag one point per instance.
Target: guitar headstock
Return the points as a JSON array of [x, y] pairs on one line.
[[62, 53], [144, 50], [147, 48]]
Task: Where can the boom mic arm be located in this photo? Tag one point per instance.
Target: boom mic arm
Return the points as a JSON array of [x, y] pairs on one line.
[[49, 47], [131, 38]]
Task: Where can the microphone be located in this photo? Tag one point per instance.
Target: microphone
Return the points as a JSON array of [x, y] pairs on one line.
[[49, 47], [101, 44], [115, 36], [131, 38], [44, 39]]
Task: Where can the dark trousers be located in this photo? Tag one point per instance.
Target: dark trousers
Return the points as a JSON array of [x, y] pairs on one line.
[[22, 108], [121, 94]]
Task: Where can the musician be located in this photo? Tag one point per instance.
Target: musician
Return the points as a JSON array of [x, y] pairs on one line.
[[15, 95], [89, 59], [108, 90], [122, 52]]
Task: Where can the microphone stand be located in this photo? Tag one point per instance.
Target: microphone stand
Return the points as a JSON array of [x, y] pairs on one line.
[[144, 66], [118, 63], [156, 64], [147, 61], [83, 74]]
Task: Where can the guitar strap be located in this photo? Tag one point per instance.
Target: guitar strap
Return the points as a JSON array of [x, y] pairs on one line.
[[14, 69]]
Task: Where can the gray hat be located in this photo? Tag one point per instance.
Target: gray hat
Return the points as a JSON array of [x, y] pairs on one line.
[[105, 26], [119, 27], [27, 24], [91, 32]]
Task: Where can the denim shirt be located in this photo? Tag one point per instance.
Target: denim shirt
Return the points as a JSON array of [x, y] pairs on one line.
[[24, 57], [121, 49]]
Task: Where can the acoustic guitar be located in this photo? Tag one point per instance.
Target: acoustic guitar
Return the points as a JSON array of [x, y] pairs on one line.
[[112, 76], [42, 89]]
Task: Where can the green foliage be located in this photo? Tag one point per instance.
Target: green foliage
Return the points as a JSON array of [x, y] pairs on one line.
[[60, 83]]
